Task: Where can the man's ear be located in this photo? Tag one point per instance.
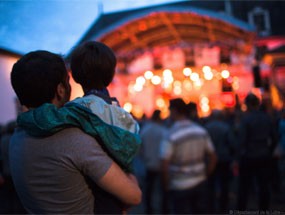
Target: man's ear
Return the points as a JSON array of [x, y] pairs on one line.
[[61, 95], [60, 91], [60, 98]]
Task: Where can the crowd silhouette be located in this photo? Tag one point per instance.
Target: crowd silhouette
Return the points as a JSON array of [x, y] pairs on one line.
[[249, 145]]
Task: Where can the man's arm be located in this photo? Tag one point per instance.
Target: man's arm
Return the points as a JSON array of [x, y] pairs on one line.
[[124, 186]]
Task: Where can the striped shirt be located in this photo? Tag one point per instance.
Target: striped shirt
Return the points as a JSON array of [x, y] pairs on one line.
[[185, 148]]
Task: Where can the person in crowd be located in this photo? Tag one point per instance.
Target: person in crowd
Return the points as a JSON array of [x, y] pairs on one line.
[[276, 174], [93, 67], [9, 200], [279, 153], [258, 139], [193, 112], [152, 134], [219, 182], [275, 180], [183, 154], [281, 131], [50, 173]]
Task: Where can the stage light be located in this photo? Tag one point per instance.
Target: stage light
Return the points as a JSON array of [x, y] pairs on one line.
[[156, 80], [140, 80], [148, 75], [194, 76], [225, 74], [128, 107], [206, 69], [187, 71]]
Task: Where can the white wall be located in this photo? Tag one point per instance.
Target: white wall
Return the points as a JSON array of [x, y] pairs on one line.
[[7, 96]]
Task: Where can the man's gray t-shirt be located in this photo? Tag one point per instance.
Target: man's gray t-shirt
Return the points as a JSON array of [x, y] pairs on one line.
[[48, 172]]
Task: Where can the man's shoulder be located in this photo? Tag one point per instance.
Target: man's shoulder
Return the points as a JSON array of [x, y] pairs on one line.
[[67, 134], [72, 133], [72, 130]]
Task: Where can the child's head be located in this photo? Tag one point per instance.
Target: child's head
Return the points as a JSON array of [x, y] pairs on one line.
[[93, 65]]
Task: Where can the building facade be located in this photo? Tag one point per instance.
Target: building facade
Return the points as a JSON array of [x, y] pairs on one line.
[[208, 52]]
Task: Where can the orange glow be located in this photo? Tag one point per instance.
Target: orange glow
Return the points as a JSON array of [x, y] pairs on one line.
[[163, 84], [76, 89], [137, 111], [142, 26], [228, 99], [160, 103]]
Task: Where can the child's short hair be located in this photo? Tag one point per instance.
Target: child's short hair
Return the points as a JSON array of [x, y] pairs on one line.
[[93, 65]]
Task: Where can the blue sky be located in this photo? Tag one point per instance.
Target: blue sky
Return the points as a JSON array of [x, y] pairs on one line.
[[54, 25]]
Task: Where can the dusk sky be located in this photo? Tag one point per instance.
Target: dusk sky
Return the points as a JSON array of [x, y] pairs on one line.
[[54, 25]]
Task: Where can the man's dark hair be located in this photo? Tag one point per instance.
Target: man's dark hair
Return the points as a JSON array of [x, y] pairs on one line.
[[35, 77], [93, 65]]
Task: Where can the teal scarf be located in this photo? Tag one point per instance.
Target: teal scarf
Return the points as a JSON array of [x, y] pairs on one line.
[[47, 119]]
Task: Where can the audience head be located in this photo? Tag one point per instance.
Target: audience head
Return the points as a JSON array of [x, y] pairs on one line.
[[40, 77], [192, 111], [217, 114], [156, 116], [178, 108], [252, 101], [93, 65]]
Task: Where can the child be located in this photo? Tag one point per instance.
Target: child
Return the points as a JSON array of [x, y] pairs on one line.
[[93, 67]]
